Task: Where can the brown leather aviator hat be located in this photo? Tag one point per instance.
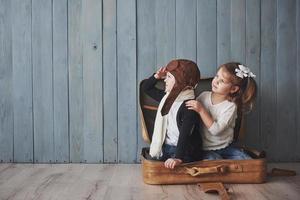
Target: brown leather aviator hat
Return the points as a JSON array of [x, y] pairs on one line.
[[186, 74]]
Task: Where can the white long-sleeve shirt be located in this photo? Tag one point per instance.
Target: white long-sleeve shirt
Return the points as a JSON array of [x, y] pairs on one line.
[[221, 132]]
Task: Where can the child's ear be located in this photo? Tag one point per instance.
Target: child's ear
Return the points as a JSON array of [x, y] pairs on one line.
[[234, 89]]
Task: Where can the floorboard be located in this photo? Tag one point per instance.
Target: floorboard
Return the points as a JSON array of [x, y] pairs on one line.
[[124, 181]]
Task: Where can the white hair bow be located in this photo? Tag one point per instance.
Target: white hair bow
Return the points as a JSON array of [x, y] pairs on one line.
[[244, 72]]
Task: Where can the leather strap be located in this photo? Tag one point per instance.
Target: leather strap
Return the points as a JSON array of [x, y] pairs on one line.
[[219, 169], [215, 187], [282, 172]]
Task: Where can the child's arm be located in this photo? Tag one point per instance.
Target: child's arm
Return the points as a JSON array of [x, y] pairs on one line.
[[214, 126], [204, 114], [148, 85]]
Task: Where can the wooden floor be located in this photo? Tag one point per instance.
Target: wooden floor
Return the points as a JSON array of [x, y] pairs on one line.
[[122, 181]]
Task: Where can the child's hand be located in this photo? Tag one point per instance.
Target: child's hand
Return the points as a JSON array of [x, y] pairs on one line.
[[172, 162], [161, 73], [194, 105]]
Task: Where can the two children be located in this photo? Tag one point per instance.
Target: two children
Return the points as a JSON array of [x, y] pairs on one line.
[[178, 134]]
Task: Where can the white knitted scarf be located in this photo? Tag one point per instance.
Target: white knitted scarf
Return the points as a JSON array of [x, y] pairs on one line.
[[160, 125]]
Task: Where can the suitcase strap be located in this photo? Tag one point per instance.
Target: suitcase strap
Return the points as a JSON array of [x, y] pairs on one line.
[[219, 169], [215, 187]]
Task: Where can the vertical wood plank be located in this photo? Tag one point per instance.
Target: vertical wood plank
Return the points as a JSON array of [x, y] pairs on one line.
[[75, 80], [92, 81], [298, 82], [207, 37], [253, 62], [110, 81], [146, 35], [60, 80], [268, 78], [238, 30], [165, 32], [223, 31], [286, 79], [145, 50], [127, 102], [6, 105], [42, 80], [22, 81], [186, 29]]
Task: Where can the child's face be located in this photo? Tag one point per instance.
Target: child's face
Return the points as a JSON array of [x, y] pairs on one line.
[[170, 82], [221, 83]]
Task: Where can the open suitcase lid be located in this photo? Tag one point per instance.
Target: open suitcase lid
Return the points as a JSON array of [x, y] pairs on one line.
[[148, 109]]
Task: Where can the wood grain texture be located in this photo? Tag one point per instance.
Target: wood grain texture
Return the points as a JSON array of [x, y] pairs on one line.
[[111, 181], [92, 82], [238, 31], [42, 64], [6, 83], [127, 83], [223, 31], [22, 81], [60, 81], [286, 79], [298, 80], [186, 29], [146, 51], [207, 37], [268, 73], [165, 23], [110, 94], [253, 10], [75, 46], [70, 71]]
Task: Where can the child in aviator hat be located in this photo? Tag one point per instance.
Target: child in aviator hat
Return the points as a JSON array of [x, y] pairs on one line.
[[176, 136]]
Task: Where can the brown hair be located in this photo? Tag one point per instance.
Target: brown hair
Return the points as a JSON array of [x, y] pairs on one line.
[[187, 76], [245, 96]]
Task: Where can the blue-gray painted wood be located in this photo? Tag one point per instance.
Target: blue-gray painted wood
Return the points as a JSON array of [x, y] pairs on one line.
[[70, 71], [165, 32], [127, 83], [22, 81], [207, 37], [223, 31], [298, 82], [286, 79], [186, 29], [267, 88], [60, 81], [110, 96], [92, 81], [6, 96], [42, 80], [75, 59], [238, 31], [146, 51], [253, 62]]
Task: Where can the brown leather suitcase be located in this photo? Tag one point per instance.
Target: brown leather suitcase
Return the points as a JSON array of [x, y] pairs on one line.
[[225, 171]]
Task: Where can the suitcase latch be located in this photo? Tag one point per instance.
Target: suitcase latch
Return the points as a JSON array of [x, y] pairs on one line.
[[197, 171]]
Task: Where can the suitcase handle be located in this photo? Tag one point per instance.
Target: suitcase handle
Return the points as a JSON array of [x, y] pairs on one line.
[[196, 171]]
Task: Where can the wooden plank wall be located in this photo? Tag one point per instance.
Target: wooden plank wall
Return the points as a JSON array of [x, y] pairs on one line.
[[69, 71]]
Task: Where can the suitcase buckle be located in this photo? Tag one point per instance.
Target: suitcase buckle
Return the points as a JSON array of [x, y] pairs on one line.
[[197, 171]]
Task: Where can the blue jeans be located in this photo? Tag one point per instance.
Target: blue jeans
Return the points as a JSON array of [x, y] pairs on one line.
[[169, 151], [229, 152]]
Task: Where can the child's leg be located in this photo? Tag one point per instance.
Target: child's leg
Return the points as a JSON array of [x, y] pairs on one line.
[[211, 155], [168, 151], [234, 153]]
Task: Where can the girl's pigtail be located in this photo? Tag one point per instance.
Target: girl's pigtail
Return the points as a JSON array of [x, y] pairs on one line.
[[249, 95]]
